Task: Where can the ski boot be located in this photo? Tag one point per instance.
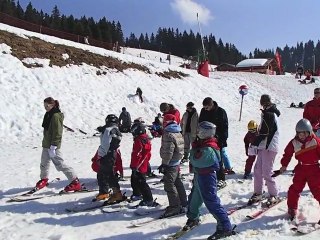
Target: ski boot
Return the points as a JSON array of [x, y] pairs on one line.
[[115, 197], [101, 197], [292, 213], [74, 186], [222, 234], [134, 198], [229, 171], [42, 183], [255, 198], [272, 200], [191, 223], [221, 184], [171, 211]]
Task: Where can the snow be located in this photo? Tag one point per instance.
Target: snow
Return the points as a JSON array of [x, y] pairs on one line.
[[252, 62], [86, 99]]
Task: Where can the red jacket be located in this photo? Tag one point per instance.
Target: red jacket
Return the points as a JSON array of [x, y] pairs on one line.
[[141, 153], [117, 167], [248, 139], [312, 113], [176, 113], [306, 152]]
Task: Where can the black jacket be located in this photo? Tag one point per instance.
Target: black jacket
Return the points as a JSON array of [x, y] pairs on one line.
[[218, 117], [268, 125]]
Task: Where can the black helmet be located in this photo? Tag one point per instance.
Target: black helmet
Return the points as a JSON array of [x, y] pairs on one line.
[[112, 119], [137, 129], [265, 99], [164, 107]]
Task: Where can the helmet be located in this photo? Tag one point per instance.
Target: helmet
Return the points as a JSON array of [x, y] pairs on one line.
[[252, 126], [304, 126], [137, 129], [265, 99], [206, 130], [168, 118], [111, 119], [164, 107]]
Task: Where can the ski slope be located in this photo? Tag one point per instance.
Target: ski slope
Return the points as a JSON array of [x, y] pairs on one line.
[[86, 99]]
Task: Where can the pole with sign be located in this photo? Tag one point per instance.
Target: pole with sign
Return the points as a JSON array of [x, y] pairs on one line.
[[243, 90]]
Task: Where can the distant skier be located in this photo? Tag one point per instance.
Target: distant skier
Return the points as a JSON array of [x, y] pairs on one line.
[[139, 93], [140, 157], [205, 158], [124, 121], [300, 71], [249, 139], [306, 147], [52, 135]]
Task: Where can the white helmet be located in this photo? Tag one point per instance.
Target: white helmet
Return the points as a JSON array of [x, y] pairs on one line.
[[206, 130]]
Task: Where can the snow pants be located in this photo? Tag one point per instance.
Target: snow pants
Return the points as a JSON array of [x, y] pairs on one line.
[[140, 186], [106, 177], [174, 187], [263, 170], [204, 190], [188, 140], [249, 163], [225, 158], [304, 174], [58, 163]]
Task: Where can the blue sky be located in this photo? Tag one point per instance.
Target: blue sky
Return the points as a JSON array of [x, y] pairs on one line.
[[248, 24]]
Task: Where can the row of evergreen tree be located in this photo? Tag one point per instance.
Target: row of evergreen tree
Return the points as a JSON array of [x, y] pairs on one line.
[[184, 44]]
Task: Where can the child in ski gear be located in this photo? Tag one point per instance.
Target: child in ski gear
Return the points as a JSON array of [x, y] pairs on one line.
[[249, 139], [306, 148], [189, 124], [124, 121], [110, 142], [139, 93], [140, 157], [167, 108], [312, 112], [265, 146], [52, 134], [171, 152], [118, 168], [211, 112], [204, 158]]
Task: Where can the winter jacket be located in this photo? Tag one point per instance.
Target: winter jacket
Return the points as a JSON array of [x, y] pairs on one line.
[[172, 145], [174, 112], [218, 117], [312, 113], [53, 135], [306, 152], [205, 155], [268, 136], [125, 119], [141, 153], [117, 167], [249, 138], [109, 141], [190, 122]]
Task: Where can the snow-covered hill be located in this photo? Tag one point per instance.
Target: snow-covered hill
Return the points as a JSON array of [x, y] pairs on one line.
[[86, 99]]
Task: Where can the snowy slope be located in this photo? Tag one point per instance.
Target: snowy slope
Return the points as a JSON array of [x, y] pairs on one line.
[[86, 99]]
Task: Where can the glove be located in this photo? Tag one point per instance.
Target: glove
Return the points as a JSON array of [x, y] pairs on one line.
[[253, 150], [162, 168], [52, 151], [134, 172]]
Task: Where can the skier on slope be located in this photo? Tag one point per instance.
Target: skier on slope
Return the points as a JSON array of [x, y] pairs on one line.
[[306, 147], [204, 159], [124, 121], [171, 152], [52, 134], [140, 157], [249, 138], [265, 147], [110, 141]]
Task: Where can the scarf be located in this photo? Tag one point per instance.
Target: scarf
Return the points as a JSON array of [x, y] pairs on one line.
[[47, 117]]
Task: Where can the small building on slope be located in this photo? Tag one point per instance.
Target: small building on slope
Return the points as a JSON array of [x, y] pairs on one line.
[[260, 65]]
